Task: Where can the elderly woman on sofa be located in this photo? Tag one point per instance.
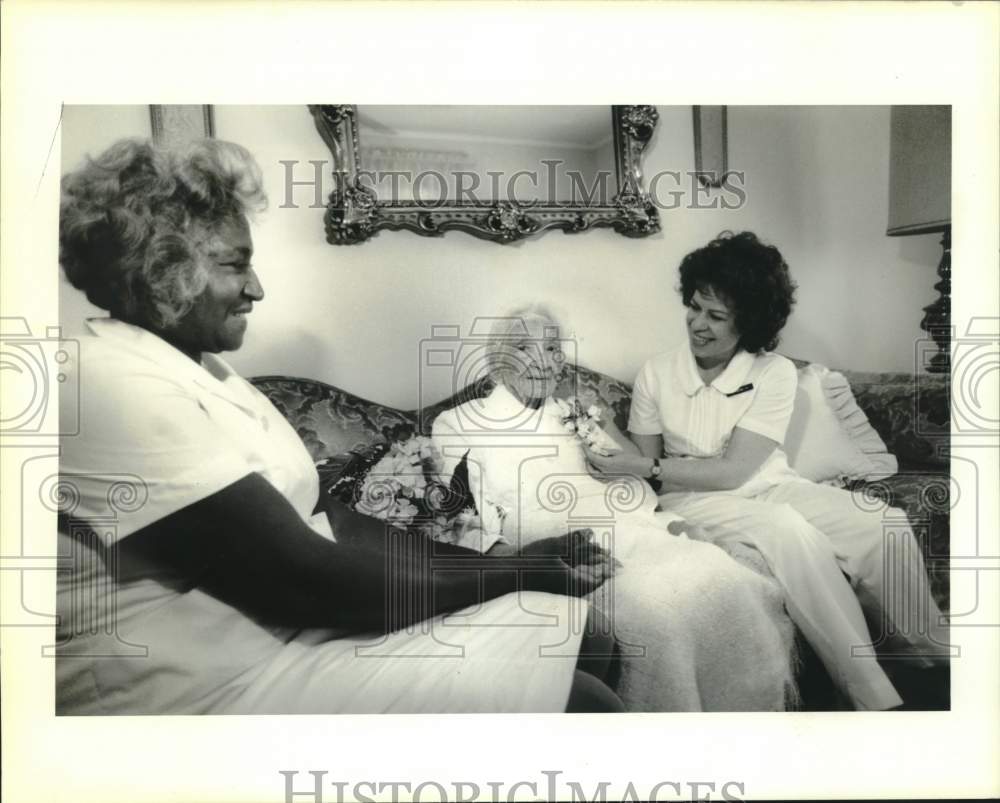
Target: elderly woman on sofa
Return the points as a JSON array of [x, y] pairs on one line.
[[708, 420], [699, 632], [224, 588]]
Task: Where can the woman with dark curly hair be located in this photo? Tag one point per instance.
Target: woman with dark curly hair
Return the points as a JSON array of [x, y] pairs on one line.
[[207, 577], [708, 420]]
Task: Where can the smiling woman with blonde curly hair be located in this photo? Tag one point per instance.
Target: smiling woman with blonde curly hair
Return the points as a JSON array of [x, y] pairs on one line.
[[220, 587], [132, 220]]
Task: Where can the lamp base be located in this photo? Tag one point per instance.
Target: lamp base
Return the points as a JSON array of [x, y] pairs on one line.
[[937, 316]]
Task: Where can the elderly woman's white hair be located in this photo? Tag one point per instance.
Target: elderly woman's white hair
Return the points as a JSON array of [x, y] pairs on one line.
[[131, 221], [502, 358]]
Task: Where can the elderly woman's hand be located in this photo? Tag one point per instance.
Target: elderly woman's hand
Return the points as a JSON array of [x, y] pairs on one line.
[[620, 463], [689, 529]]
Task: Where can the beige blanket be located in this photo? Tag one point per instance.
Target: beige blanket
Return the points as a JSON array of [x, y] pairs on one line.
[[698, 630]]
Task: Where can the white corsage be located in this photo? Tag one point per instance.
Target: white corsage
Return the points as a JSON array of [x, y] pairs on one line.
[[585, 424]]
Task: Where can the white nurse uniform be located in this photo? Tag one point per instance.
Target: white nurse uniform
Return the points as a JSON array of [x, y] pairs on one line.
[[808, 533]]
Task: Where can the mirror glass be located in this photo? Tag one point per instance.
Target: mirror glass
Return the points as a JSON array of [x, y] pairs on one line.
[[485, 154]]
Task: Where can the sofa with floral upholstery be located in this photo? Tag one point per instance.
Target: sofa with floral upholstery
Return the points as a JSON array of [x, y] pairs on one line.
[[910, 412]]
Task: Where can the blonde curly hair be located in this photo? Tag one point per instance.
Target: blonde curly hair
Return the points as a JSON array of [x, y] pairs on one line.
[[131, 221]]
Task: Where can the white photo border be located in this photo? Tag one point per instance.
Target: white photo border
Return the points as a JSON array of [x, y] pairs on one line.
[[386, 52]]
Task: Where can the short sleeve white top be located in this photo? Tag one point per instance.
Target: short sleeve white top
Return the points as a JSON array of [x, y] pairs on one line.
[[754, 392], [159, 431]]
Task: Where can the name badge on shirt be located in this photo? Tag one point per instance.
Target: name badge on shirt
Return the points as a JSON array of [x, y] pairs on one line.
[[741, 389]]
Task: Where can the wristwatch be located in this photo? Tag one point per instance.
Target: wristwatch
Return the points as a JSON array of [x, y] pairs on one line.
[[656, 470]]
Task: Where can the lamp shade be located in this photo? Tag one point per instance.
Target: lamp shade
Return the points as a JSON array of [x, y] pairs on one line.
[[919, 169]]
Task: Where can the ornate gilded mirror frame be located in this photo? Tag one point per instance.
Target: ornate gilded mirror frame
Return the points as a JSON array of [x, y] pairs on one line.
[[354, 213]]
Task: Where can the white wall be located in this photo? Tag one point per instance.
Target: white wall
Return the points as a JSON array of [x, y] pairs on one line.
[[817, 186], [354, 316]]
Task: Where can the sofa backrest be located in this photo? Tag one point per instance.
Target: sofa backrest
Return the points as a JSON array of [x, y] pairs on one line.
[[910, 412], [329, 420]]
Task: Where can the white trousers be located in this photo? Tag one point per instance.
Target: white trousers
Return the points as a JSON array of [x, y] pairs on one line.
[[811, 535]]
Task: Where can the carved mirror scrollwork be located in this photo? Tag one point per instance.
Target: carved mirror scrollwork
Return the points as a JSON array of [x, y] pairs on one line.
[[499, 173]]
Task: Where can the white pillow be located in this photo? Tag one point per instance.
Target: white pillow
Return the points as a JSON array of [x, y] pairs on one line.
[[829, 437]]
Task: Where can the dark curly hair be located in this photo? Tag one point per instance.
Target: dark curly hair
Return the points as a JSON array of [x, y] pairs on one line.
[[751, 278], [132, 219]]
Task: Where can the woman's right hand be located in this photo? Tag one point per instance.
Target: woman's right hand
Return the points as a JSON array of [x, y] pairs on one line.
[[558, 577], [575, 548], [587, 577], [583, 564]]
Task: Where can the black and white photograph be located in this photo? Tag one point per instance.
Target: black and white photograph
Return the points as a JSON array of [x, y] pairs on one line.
[[740, 529], [561, 424]]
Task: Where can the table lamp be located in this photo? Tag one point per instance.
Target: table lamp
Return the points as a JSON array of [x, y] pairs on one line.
[[920, 203]]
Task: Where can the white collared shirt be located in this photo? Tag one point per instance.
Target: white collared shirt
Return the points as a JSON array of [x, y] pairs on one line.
[[754, 392], [163, 432]]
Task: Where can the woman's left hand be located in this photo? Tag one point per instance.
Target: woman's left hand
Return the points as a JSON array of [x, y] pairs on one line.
[[619, 463]]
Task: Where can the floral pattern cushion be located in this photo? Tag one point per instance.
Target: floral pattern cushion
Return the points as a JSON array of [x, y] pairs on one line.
[[910, 412], [330, 421]]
